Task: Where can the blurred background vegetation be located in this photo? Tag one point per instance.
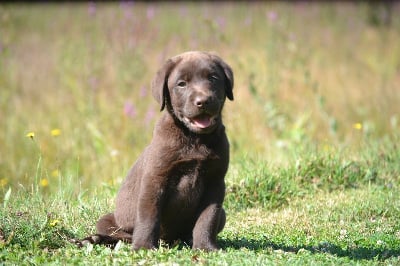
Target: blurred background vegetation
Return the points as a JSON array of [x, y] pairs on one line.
[[75, 101]]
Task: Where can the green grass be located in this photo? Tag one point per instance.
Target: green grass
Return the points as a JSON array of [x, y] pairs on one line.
[[350, 226], [314, 128]]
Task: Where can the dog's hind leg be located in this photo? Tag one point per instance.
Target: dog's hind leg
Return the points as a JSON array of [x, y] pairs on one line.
[[108, 233]]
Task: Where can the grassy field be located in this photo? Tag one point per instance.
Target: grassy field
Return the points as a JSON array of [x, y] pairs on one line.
[[314, 128]]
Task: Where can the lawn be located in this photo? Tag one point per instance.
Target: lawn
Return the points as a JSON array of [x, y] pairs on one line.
[[314, 128]]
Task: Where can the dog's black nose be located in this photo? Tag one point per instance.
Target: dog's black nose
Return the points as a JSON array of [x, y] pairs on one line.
[[201, 101]]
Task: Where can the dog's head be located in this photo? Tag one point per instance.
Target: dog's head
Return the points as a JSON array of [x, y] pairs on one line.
[[193, 87]]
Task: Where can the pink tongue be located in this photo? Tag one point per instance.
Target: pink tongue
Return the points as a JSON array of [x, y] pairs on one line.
[[202, 121]]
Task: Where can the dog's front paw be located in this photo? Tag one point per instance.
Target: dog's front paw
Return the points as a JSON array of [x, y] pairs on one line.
[[142, 245], [206, 246]]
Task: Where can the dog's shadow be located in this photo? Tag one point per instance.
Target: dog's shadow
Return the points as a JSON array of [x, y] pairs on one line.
[[355, 253]]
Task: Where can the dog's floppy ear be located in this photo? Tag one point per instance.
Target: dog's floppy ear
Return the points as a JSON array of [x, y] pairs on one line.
[[228, 76], [159, 86]]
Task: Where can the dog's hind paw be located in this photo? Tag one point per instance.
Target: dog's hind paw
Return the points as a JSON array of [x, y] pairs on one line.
[[93, 239]]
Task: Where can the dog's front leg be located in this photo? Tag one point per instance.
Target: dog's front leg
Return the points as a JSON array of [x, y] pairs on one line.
[[209, 224], [147, 228], [211, 220]]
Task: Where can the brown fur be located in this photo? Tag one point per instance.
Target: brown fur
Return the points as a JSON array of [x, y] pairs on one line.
[[176, 188]]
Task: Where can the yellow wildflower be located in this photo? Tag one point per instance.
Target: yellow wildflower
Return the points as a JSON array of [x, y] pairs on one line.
[[54, 222], [30, 135], [3, 182], [327, 147], [357, 126], [55, 132], [55, 173], [44, 182]]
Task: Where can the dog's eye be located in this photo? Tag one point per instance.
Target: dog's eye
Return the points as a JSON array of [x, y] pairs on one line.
[[181, 83], [213, 78]]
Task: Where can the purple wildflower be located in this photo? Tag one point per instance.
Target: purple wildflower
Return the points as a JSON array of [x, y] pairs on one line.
[[150, 114], [183, 11], [150, 12], [92, 9], [248, 20], [93, 83], [127, 7], [272, 16], [129, 110], [143, 91], [221, 22]]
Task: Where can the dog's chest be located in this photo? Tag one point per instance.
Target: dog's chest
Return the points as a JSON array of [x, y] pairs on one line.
[[188, 181], [196, 166]]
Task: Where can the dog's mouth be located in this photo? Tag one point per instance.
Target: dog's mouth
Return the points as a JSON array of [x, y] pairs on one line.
[[201, 123]]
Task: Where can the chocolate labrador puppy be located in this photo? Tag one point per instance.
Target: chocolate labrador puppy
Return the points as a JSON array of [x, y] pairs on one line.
[[175, 189]]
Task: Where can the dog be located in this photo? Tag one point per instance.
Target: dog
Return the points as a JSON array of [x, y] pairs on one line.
[[176, 188]]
